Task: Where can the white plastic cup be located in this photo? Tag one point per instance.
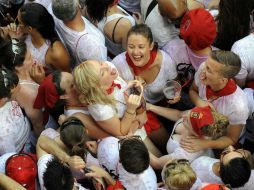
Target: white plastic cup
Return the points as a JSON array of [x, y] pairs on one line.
[[172, 89]]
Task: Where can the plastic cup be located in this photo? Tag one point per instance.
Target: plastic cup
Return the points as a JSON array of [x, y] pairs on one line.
[[172, 89]]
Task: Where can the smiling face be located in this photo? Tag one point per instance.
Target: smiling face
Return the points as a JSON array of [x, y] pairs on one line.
[[139, 48], [105, 72], [211, 73]]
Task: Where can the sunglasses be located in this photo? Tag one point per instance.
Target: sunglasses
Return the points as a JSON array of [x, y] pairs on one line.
[[172, 165], [134, 137], [226, 151], [72, 121]]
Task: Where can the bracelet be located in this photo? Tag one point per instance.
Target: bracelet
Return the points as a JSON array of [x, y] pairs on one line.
[[130, 112]]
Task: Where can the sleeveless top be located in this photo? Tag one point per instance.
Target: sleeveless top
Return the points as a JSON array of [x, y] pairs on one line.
[[39, 54], [115, 48], [153, 92]]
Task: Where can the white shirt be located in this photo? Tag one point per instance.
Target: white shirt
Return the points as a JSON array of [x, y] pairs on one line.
[[3, 160], [245, 49], [234, 106], [249, 92], [162, 30], [130, 5], [14, 128], [203, 166], [153, 92], [88, 44]]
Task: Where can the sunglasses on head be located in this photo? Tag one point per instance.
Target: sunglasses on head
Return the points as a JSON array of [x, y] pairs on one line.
[[172, 165], [226, 151], [134, 137], [72, 121]]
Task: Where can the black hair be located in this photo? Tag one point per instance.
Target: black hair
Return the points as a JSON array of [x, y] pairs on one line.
[[58, 108], [233, 22], [12, 54], [37, 16], [58, 176], [8, 81], [236, 172], [97, 9], [134, 156], [142, 29]]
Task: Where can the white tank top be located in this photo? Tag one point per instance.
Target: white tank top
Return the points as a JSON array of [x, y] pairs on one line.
[[115, 48], [39, 54]]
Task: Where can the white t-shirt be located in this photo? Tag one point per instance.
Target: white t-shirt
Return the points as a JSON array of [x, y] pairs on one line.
[[145, 181], [88, 44], [3, 160], [42, 166], [181, 53], [245, 49], [14, 127], [162, 30], [249, 92], [153, 92], [203, 166], [234, 106]]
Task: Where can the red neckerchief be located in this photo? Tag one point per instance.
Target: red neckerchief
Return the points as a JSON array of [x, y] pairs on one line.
[[230, 88], [138, 70], [111, 89]]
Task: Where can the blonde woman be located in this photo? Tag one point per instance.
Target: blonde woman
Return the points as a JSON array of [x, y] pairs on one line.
[[198, 123], [108, 101], [179, 175]]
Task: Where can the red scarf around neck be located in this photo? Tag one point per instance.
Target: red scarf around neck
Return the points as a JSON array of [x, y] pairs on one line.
[[138, 70], [230, 88], [111, 89]]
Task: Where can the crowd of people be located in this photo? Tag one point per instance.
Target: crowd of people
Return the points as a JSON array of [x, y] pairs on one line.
[[126, 94]]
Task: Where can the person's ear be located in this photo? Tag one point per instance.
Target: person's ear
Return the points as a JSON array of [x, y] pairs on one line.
[[30, 29], [151, 46]]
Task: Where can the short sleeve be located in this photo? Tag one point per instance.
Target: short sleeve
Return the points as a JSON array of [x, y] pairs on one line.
[[101, 112], [243, 73], [89, 47]]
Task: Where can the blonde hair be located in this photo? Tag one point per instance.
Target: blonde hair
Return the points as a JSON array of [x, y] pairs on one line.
[[218, 128], [87, 83], [181, 177]]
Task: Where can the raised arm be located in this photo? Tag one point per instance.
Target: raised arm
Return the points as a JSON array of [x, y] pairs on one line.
[[7, 183]]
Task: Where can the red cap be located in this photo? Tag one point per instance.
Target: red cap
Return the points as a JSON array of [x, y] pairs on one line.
[[198, 29], [200, 117], [214, 187], [23, 169], [47, 94]]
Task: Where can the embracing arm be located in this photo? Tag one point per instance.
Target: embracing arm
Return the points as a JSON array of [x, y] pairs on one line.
[[7, 183], [194, 144], [46, 145], [169, 113]]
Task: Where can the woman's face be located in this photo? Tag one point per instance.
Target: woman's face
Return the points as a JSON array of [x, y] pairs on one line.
[[67, 84], [230, 153], [139, 48], [106, 73]]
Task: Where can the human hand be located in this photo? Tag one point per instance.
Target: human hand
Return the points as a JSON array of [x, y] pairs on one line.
[[138, 17], [174, 100], [4, 32], [92, 146], [61, 119], [193, 144], [76, 163], [96, 172], [142, 119], [14, 31], [37, 73]]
